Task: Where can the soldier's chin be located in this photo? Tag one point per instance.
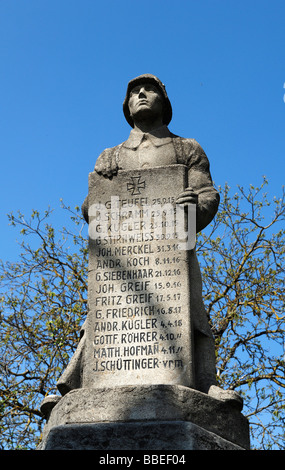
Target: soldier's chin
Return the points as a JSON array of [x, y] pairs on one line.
[[144, 113]]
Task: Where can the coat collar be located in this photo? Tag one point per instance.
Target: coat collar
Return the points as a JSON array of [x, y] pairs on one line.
[[158, 137]]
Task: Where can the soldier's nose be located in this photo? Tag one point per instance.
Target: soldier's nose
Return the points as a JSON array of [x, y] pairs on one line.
[[142, 92]]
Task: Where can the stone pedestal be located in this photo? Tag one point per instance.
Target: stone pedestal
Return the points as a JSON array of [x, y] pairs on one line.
[[149, 436], [156, 417]]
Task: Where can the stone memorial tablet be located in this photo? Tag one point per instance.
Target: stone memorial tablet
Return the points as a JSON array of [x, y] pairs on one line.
[[139, 329]]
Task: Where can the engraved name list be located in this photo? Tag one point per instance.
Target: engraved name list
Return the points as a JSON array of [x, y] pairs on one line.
[[138, 327]]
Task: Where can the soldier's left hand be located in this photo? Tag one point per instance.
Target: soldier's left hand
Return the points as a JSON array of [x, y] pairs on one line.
[[187, 197]]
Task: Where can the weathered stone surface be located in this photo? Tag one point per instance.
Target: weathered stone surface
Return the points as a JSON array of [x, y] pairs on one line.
[[138, 329], [151, 435], [48, 404], [151, 403]]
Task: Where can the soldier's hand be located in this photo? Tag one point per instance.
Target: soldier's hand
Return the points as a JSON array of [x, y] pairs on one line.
[[187, 197], [106, 164]]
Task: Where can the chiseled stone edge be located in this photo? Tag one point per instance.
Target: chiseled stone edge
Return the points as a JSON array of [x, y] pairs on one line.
[[142, 435], [151, 403]]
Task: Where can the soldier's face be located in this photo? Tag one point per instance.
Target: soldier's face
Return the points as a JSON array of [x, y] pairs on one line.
[[145, 101]]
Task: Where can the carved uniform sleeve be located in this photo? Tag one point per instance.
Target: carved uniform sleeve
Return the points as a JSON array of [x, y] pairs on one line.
[[105, 165], [84, 209], [200, 180]]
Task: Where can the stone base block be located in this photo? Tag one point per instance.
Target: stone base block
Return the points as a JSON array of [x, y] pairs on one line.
[[152, 435], [122, 408]]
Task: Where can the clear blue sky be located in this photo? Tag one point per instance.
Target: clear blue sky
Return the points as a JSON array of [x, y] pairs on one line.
[[65, 65]]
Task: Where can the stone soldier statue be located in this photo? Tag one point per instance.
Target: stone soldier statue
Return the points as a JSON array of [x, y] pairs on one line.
[[150, 144]]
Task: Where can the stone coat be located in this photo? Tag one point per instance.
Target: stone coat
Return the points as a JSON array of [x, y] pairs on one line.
[[164, 148]]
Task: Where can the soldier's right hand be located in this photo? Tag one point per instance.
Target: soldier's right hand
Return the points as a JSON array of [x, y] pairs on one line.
[[106, 164]]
